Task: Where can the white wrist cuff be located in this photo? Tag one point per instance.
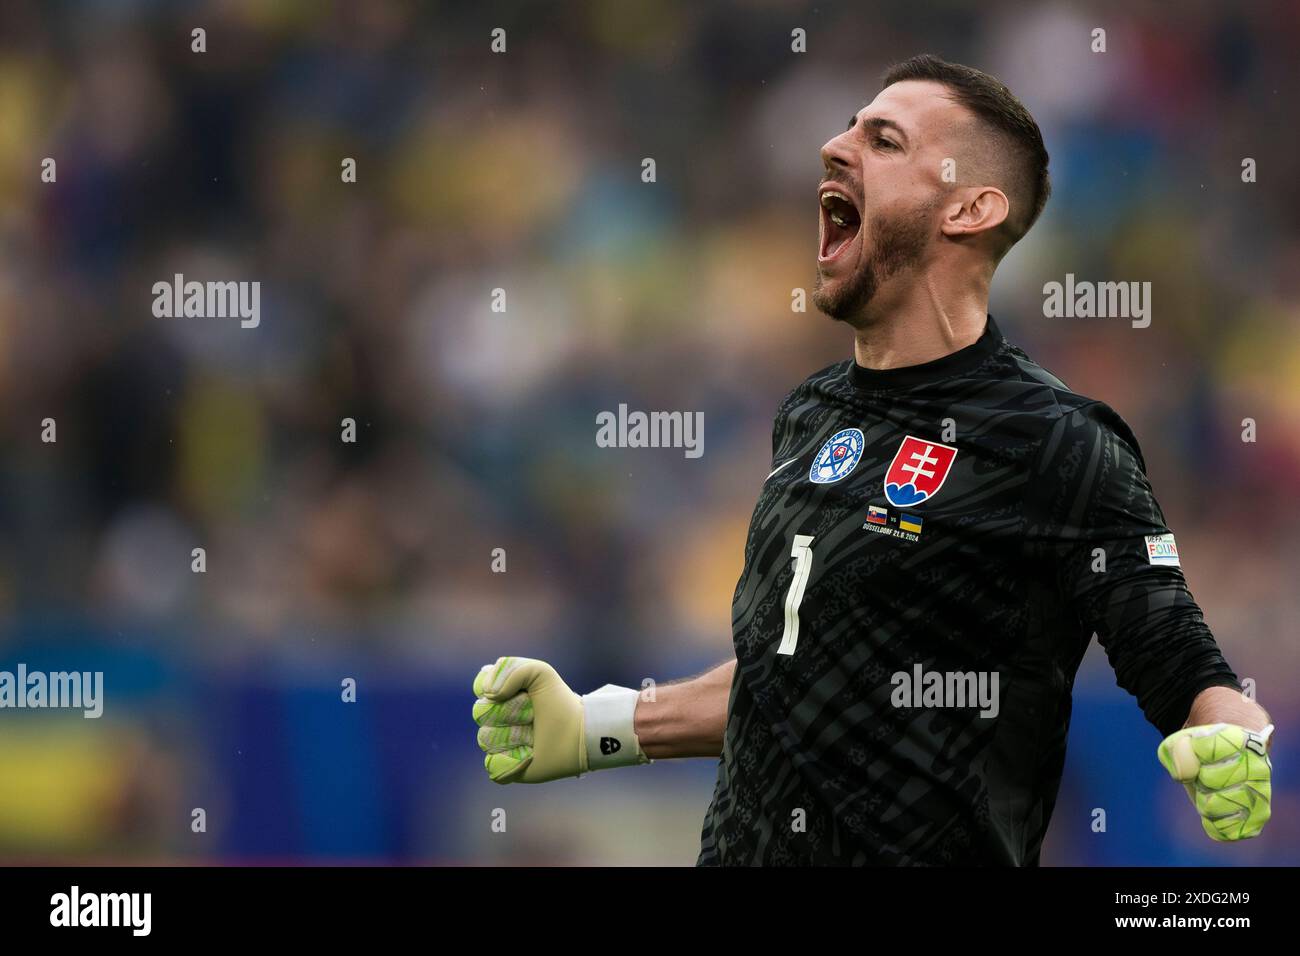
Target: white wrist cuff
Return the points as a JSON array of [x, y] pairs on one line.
[[611, 738]]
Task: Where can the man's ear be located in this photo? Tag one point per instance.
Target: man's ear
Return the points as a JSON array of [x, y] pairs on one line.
[[978, 210]]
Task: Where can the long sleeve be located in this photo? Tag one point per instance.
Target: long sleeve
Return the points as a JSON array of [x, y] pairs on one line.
[[1095, 521]]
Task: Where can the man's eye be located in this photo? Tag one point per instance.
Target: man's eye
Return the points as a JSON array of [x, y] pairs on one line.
[[884, 143]]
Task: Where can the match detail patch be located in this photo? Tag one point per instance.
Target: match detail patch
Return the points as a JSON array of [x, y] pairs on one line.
[[901, 525], [1161, 549]]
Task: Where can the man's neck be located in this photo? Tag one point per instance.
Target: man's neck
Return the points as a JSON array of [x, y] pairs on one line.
[[919, 327]]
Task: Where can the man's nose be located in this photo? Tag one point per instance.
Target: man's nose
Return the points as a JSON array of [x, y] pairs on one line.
[[835, 154]]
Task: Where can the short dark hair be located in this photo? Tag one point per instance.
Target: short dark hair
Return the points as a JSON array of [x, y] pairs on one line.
[[996, 106]]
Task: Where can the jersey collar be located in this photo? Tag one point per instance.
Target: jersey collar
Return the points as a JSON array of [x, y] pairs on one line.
[[909, 375]]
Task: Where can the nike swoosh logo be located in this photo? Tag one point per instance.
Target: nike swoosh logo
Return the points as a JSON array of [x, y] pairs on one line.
[[779, 467]]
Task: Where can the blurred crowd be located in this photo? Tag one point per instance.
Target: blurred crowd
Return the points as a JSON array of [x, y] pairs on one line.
[[521, 171]]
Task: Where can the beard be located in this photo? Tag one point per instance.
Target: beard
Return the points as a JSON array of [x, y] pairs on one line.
[[897, 242]]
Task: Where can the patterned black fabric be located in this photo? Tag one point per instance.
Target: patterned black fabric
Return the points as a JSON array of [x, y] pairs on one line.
[[1005, 575]]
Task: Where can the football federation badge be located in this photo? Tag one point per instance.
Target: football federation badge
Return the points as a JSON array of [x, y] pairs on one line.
[[917, 472], [838, 457]]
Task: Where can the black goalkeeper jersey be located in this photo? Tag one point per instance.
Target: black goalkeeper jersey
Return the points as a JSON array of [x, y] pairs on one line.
[[926, 564]]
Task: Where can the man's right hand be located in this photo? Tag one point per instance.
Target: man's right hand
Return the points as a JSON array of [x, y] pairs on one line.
[[534, 728]]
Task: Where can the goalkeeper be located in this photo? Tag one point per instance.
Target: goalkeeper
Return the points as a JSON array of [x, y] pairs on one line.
[[945, 527]]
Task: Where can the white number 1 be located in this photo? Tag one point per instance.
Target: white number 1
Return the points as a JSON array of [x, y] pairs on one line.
[[802, 554]]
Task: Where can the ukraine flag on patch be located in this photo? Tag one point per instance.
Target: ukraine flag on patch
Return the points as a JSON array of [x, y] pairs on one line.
[[909, 523]]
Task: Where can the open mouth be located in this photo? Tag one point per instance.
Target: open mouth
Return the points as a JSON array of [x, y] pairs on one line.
[[840, 223]]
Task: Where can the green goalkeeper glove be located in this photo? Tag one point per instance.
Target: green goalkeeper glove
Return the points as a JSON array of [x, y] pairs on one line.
[[535, 729], [1226, 771]]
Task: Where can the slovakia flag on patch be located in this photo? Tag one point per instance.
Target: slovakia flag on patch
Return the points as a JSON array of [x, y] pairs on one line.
[[917, 472]]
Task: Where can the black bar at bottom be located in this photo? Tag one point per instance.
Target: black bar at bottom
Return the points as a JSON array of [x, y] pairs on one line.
[[567, 906]]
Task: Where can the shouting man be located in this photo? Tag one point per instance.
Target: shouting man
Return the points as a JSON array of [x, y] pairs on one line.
[[945, 527]]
